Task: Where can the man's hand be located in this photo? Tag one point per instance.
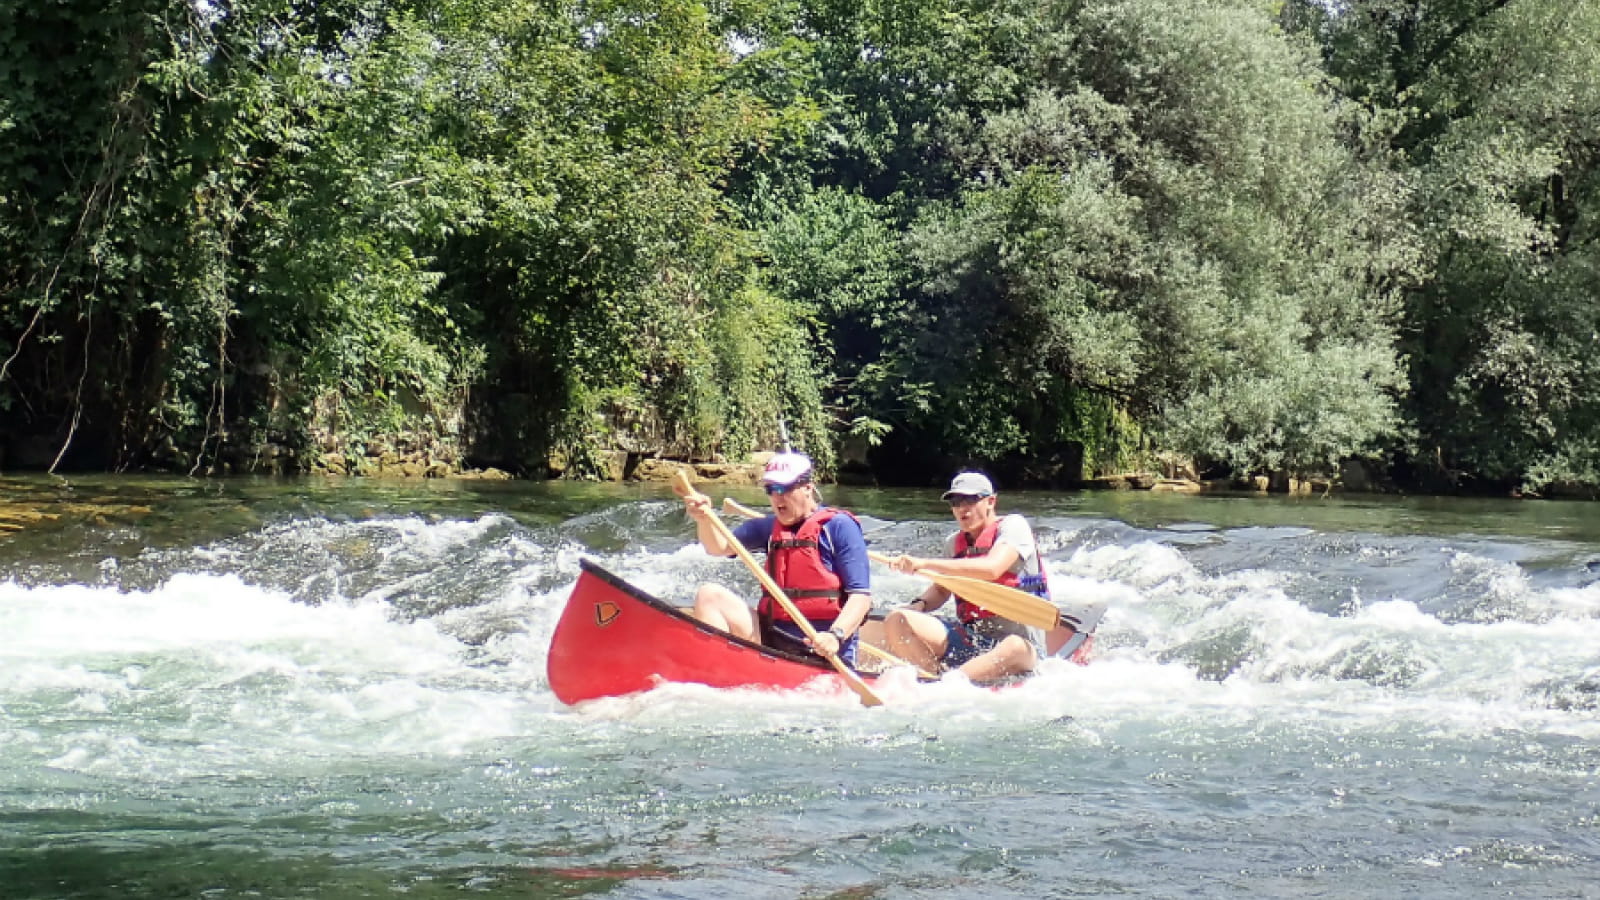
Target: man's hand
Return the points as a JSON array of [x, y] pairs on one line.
[[698, 505], [908, 564], [827, 643]]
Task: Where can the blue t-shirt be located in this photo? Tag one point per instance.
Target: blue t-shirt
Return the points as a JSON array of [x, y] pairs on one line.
[[844, 548]]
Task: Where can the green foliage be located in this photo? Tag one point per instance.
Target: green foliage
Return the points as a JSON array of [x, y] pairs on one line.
[[1302, 417], [833, 253], [254, 242], [322, 224], [769, 373], [1498, 113], [605, 266], [1155, 206], [1034, 235]]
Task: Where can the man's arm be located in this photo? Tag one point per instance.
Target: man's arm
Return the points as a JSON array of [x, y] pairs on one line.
[[988, 567], [929, 600], [751, 533], [850, 563], [854, 569], [856, 608]]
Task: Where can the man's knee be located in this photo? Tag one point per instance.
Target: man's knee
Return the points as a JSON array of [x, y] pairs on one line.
[[1018, 651]]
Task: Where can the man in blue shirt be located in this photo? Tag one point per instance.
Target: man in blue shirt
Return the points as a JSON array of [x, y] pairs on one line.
[[816, 554]]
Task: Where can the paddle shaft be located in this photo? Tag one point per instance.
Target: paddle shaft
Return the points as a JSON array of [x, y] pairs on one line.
[[739, 509], [682, 487]]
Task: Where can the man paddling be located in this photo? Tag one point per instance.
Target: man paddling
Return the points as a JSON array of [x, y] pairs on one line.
[[989, 547], [815, 554]]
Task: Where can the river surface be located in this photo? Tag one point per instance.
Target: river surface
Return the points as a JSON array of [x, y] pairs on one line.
[[337, 690]]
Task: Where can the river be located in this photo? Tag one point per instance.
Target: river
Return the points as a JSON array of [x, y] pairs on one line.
[[336, 690]]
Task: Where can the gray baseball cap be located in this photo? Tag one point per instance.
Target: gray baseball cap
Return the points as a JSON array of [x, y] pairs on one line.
[[969, 484]]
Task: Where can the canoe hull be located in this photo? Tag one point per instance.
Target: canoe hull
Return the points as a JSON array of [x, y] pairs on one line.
[[614, 639]]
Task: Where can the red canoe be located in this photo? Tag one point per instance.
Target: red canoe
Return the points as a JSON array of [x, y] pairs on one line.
[[615, 639]]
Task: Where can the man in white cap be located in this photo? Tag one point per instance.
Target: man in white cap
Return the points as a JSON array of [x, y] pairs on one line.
[[816, 554], [990, 547]]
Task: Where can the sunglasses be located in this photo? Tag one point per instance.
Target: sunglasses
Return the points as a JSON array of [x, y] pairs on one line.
[[956, 502], [774, 489]]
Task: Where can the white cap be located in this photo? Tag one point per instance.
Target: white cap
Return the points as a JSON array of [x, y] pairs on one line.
[[787, 469], [969, 484]]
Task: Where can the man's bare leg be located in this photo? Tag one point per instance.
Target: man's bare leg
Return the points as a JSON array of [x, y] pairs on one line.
[[1012, 657], [917, 638], [719, 607]]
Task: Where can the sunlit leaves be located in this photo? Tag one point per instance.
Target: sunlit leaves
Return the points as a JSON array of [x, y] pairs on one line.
[[1500, 113], [1146, 202]]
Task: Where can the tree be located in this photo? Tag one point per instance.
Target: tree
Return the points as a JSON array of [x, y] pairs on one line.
[[1112, 210], [331, 224], [1497, 113]]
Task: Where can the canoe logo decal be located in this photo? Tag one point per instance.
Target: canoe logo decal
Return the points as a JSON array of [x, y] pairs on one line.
[[606, 612]]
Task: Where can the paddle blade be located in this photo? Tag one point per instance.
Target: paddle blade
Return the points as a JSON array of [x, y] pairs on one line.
[[1016, 605], [734, 507]]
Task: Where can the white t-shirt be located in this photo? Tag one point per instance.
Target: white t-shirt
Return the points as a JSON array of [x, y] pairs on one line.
[[1016, 531]]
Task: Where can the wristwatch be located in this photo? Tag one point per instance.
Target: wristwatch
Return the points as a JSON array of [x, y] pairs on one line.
[[836, 633]]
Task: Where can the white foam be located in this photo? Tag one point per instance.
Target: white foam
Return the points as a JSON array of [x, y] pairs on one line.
[[239, 675], [209, 672], [204, 613]]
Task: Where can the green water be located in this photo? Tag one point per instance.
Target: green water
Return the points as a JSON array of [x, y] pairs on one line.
[[166, 511], [336, 689]]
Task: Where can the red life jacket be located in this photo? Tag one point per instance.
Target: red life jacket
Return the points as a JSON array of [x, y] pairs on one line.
[[966, 548], [794, 560]]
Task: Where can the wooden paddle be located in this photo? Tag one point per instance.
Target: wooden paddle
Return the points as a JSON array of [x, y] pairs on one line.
[[682, 487], [1016, 605]]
